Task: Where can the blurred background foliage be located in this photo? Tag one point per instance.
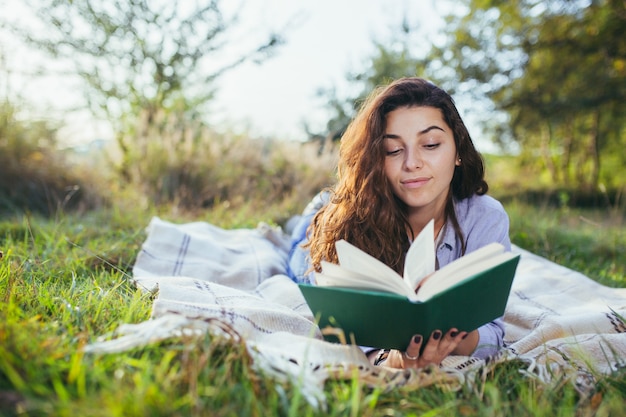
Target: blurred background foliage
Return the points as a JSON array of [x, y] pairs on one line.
[[548, 79], [34, 175]]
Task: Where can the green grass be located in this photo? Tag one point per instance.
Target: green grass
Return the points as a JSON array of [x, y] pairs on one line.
[[590, 241], [64, 282]]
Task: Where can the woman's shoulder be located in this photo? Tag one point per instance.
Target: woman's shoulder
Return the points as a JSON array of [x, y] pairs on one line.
[[480, 211], [483, 220], [480, 204]]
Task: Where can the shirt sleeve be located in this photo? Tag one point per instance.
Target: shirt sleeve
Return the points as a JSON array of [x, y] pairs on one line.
[[490, 339], [490, 224], [298, 260], [487, 222]]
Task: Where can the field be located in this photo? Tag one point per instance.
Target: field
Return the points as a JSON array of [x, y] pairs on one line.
[[64, 281]]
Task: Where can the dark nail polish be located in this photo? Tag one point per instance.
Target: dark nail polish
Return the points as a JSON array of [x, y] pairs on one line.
[[454, 334], [436, 334], [465, 335], [417, 339]]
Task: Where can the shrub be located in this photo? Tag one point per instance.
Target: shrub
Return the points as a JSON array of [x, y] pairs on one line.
[[34, 175], [192, 167]]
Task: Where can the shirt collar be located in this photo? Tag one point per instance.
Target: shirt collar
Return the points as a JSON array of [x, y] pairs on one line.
[[448, 238]]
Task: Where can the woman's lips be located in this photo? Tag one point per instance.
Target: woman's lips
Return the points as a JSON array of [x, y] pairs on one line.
[[415, 182]]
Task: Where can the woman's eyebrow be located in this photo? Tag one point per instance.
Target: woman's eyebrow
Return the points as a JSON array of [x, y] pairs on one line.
[[422, 132], [428, 129], [390, 136]]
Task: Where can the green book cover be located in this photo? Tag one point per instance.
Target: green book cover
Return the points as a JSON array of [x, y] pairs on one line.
[[387, 320]]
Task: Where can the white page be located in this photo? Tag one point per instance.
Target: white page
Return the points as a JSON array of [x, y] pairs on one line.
[[485, 259], [335, 276], [420, 258], [354, 259], [459, 265]]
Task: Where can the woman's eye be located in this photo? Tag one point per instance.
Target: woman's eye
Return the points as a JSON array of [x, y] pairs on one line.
[[432, 146], [394, 151]]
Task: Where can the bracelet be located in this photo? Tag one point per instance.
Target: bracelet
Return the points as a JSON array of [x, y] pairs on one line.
[[381, 356]]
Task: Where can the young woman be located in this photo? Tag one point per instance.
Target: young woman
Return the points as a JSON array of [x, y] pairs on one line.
[[405, 159]]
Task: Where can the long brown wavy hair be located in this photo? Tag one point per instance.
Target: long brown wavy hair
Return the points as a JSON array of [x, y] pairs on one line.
[[363, 209]]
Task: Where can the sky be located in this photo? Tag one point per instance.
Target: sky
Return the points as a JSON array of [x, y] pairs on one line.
[[328, 39], [324, 40]]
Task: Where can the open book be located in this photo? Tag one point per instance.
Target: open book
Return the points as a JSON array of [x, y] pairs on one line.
[[359, 270], [378, 307]]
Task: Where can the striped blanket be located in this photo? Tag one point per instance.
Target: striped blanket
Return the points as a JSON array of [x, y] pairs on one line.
[[233, 283]]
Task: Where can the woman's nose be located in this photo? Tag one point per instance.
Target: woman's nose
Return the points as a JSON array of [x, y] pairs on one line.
[[413, 160]]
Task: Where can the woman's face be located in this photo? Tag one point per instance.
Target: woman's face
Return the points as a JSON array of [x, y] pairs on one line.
[[420, 158]]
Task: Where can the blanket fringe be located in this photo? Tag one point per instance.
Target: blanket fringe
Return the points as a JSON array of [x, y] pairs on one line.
[[306, 373], [168, 326]]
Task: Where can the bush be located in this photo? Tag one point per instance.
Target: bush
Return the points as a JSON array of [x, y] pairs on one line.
[[167, 162], [34, 175], [192, 167]]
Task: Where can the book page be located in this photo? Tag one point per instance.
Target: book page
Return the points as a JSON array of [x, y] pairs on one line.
[[458, 265], [354, 259], [336, 276], [420, 258], [462, 269]]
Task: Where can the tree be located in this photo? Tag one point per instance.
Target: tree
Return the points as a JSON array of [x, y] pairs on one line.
[[557, 69], [140, 57], [391, 59]]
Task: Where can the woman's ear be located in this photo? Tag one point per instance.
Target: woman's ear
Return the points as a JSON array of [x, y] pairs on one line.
[[458, 161]]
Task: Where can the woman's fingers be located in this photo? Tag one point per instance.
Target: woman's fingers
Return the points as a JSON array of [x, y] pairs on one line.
[[431, 350], [450, 341], [412, 352], [437, 348]]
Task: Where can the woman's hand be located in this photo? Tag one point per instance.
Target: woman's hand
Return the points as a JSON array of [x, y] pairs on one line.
[[438, 347]]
